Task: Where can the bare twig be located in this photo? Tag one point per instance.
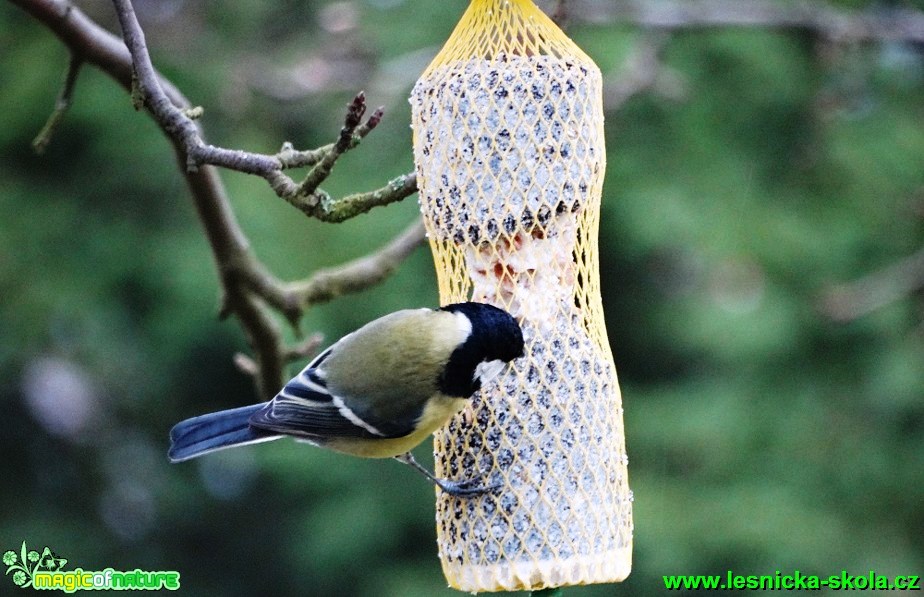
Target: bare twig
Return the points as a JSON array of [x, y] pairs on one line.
[[359, 274], [293, 298], [304, 349], [65, 96], [271, 167], [350, 135], [176, 123], [853, 300], [307, 348], [346, 140], [246, 364], [322, 206]]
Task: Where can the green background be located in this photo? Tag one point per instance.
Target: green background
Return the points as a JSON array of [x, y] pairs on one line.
[[766, 168]]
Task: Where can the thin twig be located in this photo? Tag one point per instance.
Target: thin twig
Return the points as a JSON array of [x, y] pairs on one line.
[[361, 273], [65, 97], [322, 206], [305, 195], [324, 285], [247, 365], [305, 349], [170, 117], [853, 300], [289, 157], [298, 352], [345, 141]]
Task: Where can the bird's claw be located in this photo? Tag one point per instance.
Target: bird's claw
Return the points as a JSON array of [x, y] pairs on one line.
[[466, 487], [463, 488]]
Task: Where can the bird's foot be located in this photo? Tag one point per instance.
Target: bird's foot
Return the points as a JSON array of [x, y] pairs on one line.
[[463, 488]]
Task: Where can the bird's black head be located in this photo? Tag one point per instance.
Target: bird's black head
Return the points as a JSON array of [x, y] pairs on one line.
[[495, 336]]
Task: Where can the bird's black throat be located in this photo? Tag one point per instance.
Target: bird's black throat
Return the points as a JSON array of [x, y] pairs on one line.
[[495, 335]]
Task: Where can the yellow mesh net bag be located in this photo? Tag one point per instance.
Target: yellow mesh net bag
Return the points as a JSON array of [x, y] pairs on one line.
[[509, 151]]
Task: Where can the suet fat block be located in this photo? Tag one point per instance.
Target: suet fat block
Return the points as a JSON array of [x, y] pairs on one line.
[[509, 153]]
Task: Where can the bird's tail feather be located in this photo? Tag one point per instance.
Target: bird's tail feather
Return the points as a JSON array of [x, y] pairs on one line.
[[215, 431]]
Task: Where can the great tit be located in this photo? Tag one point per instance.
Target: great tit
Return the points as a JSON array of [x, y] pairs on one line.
[[377, 392]]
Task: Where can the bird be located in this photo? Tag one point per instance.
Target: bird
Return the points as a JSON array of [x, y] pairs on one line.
[[377, 392]]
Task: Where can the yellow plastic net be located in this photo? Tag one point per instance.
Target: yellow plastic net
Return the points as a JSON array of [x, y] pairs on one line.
[[509, 150]]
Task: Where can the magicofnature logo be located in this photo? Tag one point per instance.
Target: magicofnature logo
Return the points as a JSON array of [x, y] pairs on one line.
[[45, 571], [25, 564]]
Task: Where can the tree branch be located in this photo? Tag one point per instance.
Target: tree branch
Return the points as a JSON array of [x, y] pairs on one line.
[[877, 23], [65, 97], [853, 300], [293, 298], [251, 303], [307, 195], [322, 206], [359, 274], [308, 348]]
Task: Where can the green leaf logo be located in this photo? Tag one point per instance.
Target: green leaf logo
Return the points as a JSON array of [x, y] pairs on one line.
[[45, 570], [50, 561], [27, 562]]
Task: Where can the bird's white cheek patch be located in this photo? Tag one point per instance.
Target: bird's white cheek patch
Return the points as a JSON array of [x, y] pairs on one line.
[[486, 371], [464, 326]]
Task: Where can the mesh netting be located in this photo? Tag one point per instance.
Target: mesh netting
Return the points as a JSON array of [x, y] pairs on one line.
[[509, 149]]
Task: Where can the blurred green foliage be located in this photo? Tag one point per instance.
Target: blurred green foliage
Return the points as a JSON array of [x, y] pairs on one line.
[[763, 435]]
